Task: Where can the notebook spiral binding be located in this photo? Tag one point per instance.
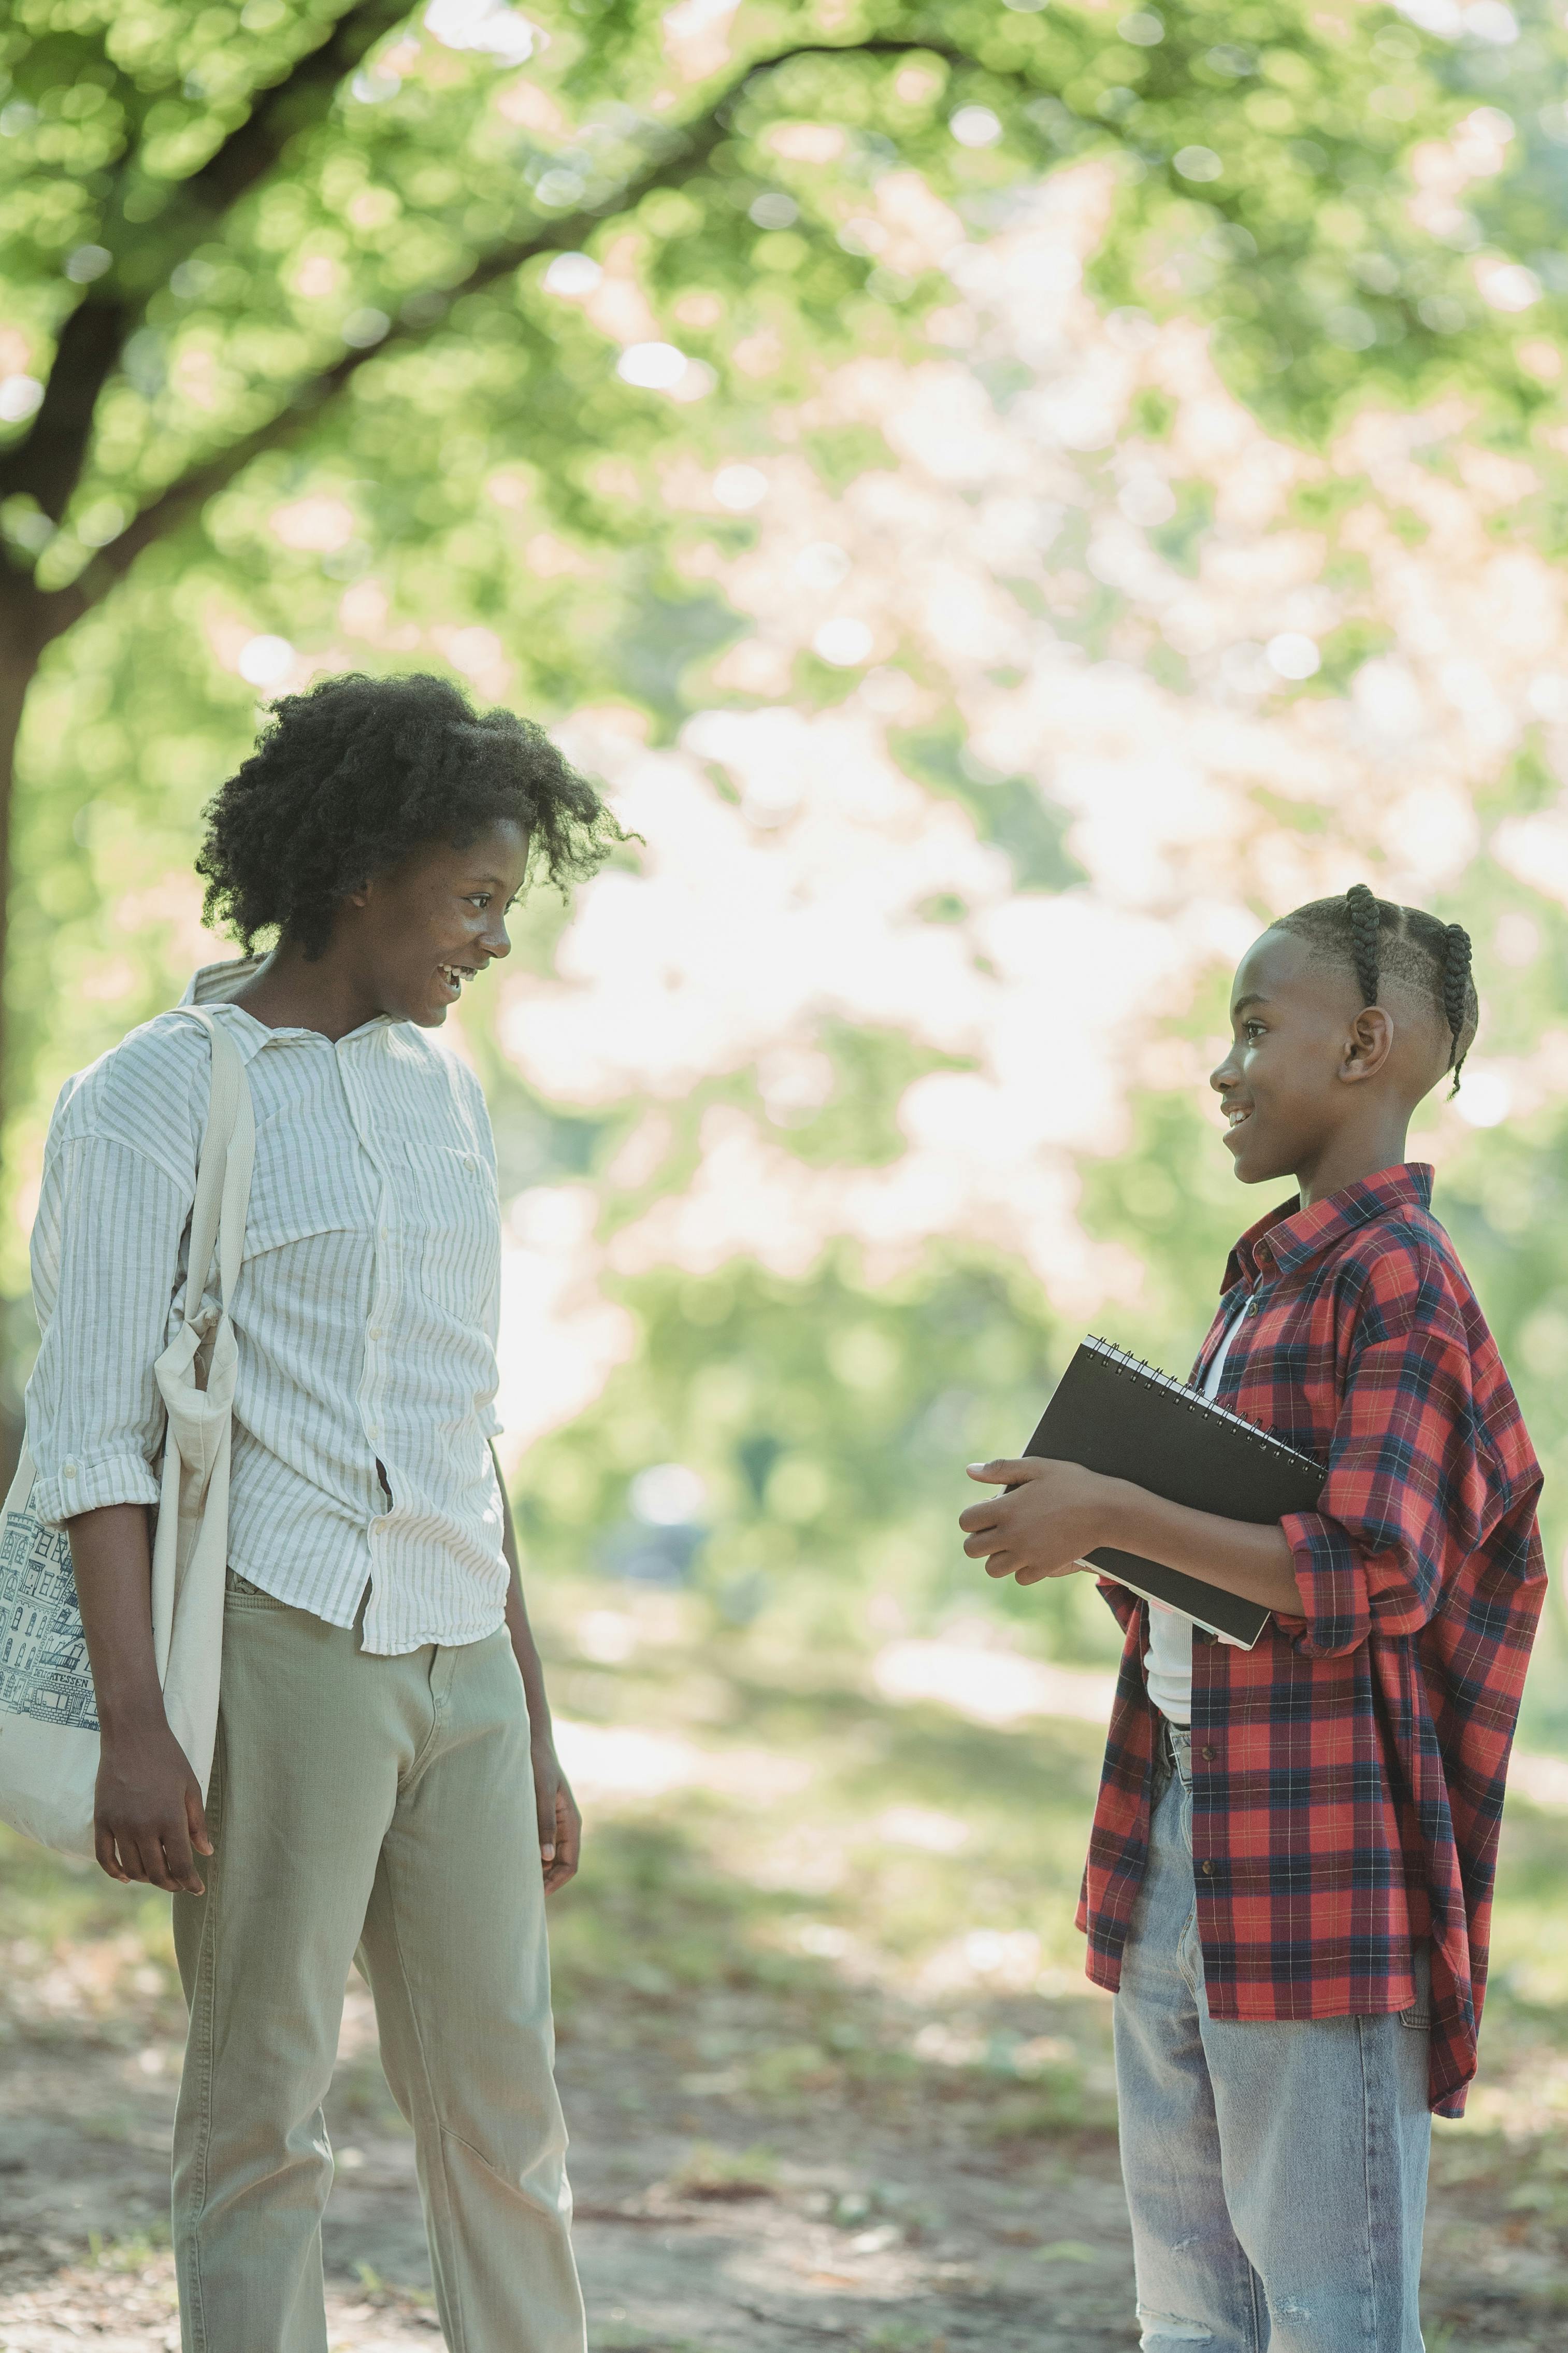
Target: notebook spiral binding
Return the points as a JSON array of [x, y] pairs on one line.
[[1195, 1401]]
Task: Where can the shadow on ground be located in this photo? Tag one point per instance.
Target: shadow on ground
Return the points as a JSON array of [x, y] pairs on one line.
[[833, 2073]]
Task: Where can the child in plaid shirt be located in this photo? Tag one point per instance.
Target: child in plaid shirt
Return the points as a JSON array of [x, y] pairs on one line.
[[1290, 1871]]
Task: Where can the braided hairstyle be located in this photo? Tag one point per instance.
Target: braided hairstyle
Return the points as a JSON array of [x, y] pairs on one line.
[[1380, 939]]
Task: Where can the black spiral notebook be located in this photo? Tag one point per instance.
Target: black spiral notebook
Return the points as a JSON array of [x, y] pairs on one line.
[[1120, 1416]]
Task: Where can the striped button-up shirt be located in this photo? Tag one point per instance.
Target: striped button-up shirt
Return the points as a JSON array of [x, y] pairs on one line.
[[366, 1312], [1348, 1772]]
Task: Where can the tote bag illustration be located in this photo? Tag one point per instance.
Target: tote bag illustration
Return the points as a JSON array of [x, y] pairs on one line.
[[48, 1720]]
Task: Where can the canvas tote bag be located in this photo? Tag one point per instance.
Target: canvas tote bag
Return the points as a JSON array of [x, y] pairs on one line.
[[48, 1717]]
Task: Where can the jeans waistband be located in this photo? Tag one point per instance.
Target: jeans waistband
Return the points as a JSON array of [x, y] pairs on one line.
[[1173, 1749]]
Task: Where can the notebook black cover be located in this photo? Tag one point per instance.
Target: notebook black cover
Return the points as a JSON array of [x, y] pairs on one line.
[[1122, 1417]]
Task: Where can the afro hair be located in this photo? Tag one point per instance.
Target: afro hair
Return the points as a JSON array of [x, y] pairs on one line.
[[351, 776]]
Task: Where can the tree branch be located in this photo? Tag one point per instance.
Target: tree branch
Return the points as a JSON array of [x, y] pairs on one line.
[[48, 462], [308, 88], [49, 459], [688, 149]]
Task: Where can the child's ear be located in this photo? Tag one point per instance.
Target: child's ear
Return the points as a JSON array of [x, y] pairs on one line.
[[1369, 1044]]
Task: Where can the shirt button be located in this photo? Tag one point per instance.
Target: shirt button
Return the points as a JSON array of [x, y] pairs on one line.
[[1208, 1754], [1208, 1871], [1252, 1306], [69, 1469]]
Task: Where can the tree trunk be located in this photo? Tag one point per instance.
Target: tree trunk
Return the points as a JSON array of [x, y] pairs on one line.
[[21, 648], [22, 643]]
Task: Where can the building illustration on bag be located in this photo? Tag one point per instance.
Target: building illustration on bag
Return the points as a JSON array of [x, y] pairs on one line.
[[44, 1668]]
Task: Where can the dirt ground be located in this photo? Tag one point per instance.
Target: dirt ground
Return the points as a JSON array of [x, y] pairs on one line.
[[837, 2229], [816, 2108]]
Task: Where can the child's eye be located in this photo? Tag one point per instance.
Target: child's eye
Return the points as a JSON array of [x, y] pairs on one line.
[[1253, 1030], [480, 898]]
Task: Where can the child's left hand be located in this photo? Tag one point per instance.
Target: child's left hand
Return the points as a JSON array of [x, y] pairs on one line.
[[1055, 1515]]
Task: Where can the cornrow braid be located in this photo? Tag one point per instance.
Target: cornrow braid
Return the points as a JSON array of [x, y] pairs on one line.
[[1365, 923], [1457, 994], [1380, 942]]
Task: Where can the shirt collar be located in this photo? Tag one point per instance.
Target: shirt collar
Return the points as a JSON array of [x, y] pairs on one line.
[[217, 984], [1289, 1236]]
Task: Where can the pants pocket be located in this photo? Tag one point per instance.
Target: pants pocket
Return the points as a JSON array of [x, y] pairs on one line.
[[237, 1589]]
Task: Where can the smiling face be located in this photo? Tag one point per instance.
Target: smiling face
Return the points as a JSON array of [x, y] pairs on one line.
[[426, 926], [1301, 1047], [1316, 1084]]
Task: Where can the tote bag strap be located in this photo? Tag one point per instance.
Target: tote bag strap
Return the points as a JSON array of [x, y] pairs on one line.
[[223, 1172]]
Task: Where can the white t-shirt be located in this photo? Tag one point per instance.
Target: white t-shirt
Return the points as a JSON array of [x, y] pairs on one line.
[[1168, 1661]]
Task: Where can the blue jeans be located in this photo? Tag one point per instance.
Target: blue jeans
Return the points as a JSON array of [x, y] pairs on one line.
[[1275, 2173]]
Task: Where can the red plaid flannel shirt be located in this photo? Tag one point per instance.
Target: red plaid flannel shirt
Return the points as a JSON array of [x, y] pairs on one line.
[[1348, 1771]]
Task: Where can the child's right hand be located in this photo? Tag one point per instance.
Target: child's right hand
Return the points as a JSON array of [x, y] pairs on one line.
[[1044, 1527]]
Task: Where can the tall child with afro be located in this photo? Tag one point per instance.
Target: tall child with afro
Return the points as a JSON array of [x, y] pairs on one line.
[[385, 1782], [1290, 1871]]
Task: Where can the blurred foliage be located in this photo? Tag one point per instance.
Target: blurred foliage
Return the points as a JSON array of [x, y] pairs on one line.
[[828, 1418], [257, 219], [310, 251]]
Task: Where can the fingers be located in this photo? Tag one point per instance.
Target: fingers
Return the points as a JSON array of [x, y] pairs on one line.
[[179, 1863], [568, 1841], [545, 1790], [985, 1540], [103, 1848], [1021, 1569], [157, 1853], [1006, 1472], [142, 1852], [119, 1850], [197, 1820], [166, 1850]]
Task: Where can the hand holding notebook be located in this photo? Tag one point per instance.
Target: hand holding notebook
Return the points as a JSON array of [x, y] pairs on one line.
[[1123, 1419]]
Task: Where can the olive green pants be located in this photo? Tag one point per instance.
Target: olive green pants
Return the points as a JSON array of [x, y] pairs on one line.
[[383, 1807]]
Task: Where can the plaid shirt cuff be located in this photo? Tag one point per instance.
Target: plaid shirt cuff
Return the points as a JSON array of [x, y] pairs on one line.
[[82, 1486], [1330, 1576]]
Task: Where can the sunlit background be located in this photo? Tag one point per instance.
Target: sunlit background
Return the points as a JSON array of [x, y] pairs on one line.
[[997, 543]]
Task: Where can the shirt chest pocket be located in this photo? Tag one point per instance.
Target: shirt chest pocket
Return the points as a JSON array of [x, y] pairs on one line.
[[300, 1198], [452, 1220]]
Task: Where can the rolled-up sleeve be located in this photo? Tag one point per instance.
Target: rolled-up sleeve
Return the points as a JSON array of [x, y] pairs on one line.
[[106, 1259], [1412, 1487]]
